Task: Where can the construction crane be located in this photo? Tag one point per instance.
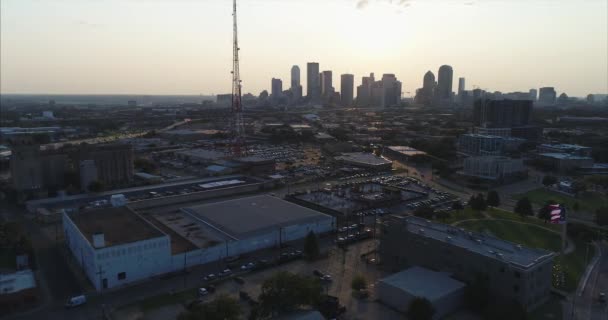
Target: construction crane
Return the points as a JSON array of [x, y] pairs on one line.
[[237, 145]]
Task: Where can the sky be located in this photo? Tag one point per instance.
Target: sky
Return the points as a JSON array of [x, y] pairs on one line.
[[185, 46]]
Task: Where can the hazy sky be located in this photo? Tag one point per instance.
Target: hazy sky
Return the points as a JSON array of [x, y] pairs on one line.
[[185, 46]]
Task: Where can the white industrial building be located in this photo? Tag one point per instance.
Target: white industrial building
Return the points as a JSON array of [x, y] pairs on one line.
[[400, 289], [116, 246]]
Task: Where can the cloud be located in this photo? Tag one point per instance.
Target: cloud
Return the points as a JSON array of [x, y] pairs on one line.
[[361, 4], [86, 24], [470, 3]]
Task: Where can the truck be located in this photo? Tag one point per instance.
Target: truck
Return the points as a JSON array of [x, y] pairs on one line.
[[76, 301]]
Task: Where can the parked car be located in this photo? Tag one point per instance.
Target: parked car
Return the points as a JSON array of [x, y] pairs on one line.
[[602, 297], [327, 278], [209, 277], [225, 272], [76, 301], [202, 292]]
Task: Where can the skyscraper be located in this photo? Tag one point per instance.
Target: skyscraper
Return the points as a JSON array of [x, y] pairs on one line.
[[461, 87], [327, 89], [502, 113], [276, 90], [547, 95], [444, 84], [424, 95], [347, 83], [313, 89], [533, 94], [295, 76], [364, 91], [296, 87]]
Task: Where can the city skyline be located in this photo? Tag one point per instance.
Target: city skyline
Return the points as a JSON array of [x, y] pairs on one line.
[[86, 49]]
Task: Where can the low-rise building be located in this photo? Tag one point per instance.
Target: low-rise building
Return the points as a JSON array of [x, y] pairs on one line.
[[480, 145], [364, 160], [513, 271], [443, 292], [572, 149], [401, 153], [494, 168], [565, 161]]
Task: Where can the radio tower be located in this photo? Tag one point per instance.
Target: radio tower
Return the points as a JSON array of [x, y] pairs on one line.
[[237, 143]]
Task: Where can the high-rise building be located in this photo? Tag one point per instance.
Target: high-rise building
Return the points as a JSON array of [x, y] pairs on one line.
[[327, 89], [424, 95], [461, 86], [547, 95], [347, 83], [502, 113], [391, 90], [276, 88], [364, 91], [296, 87], [313, 82], [444, 84], [295, 76], [114, 162], [533, 94]]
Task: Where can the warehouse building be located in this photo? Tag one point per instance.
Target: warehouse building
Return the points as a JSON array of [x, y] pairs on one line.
[[116, 246], [364, 160], [514, 272], [257, 222], [401, 153], [444, 293]]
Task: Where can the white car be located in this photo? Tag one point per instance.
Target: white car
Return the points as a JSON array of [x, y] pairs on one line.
[[202, 292], [76, 301]]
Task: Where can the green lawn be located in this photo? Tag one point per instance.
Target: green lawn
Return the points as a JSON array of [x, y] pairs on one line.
[[508, 215], [465, 214], [527, 235], [588, 202], [573, 264]]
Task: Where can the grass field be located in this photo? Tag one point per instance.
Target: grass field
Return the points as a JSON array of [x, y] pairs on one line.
[[165, 300], [464, 214], [532, 236], [508, 215], [587, 202], [527, 235]]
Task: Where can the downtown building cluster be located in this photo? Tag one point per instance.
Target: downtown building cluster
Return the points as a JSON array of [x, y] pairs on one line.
[[320, 90]]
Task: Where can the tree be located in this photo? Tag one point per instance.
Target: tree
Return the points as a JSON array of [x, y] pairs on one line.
[[285, 291], [457, 205], [493, 199], [524, 207], [549, 180], [578, 186], [311, 246], [544, 213], [425, 212], [420, 309], [601, 216], [358, 283], [576, 206], [442, 215], [96, 186], [478, 202], [223, 307]]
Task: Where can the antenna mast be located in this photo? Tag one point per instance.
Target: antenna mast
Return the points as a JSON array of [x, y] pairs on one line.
[[237, 144]]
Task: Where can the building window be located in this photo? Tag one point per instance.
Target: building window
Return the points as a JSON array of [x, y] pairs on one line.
[[122, 276]]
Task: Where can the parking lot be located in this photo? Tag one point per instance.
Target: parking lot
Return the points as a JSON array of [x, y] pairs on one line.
[[338, 268]]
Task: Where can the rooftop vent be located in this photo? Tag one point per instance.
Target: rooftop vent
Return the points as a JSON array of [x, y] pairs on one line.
[[99, 240]]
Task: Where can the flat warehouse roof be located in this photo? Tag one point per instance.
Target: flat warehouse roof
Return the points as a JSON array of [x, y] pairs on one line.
[[242, 217], [119, 225], [421, 282]]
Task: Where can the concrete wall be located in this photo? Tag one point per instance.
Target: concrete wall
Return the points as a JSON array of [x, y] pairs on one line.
[[139, 260], [400, 300]]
